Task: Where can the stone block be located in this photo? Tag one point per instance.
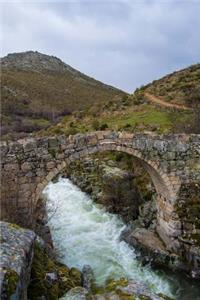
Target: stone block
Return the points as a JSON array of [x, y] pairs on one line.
[[53, 143], [26, 166], [11, 167], [50, 165]]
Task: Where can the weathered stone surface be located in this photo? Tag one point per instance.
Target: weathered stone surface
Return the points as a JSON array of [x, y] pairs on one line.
[[77, 293], [173, 180], [87, 277], [151, 249], [140, 290], [16, 254], [116, 290]]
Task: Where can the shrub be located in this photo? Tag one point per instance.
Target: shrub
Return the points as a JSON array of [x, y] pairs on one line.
[[127, 126], [119, 156], [103, 126]]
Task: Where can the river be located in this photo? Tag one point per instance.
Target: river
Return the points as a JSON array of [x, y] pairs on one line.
[[85, 234]]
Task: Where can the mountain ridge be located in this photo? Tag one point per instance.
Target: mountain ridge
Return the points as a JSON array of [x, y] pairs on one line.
[[38, 89], [37, 61]]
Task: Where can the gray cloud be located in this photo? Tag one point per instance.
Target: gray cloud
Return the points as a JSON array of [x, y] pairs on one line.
[[125, 43]]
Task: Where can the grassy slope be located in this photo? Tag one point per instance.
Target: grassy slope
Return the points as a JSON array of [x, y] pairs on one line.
[[133, 113], [175, 87], [132, 119]]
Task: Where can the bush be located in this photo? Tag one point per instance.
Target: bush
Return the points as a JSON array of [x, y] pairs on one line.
[[127, 126], [103, 126], [119, 156], [192, 98]]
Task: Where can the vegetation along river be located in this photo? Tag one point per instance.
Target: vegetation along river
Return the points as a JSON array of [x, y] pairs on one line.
[[85, 234]]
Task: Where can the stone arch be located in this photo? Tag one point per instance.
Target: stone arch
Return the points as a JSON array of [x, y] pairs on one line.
[[160, 180], [165, 192]]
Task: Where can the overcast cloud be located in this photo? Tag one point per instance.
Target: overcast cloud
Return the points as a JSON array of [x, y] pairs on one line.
[[124, 43]]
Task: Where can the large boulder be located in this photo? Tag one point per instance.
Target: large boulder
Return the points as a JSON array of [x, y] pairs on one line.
[[16, 252], [151, 249]]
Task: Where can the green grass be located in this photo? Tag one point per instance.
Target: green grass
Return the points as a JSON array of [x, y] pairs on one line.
[[40, 122], [147, 116], [143, 117]]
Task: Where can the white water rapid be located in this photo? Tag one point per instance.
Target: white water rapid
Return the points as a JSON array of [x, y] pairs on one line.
[[85, 234]]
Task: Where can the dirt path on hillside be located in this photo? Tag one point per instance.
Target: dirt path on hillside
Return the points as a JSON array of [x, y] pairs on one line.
[[160, 102]]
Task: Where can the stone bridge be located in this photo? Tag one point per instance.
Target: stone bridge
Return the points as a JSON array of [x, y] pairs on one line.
[[173, 162]]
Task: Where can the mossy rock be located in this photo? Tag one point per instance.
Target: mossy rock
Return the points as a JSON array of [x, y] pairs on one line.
[[164, 297], [117, 289], [15, 226], [41, 286], [11, 280], [113, 284]]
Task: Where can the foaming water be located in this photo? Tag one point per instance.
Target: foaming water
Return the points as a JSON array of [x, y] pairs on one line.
[[85, 233]]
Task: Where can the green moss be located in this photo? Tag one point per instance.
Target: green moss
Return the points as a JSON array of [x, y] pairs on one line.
[[14, 226], [11, 279], [125, 296], [114, 289], [40, 285], [143, 297], [113, 284], [110, 286]]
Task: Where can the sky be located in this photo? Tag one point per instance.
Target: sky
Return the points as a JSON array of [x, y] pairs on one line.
[[124, 43]]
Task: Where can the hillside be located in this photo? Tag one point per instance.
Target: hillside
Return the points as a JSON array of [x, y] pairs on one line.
[[170, 104], [42, 94], [177, 88], [37, 90]]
